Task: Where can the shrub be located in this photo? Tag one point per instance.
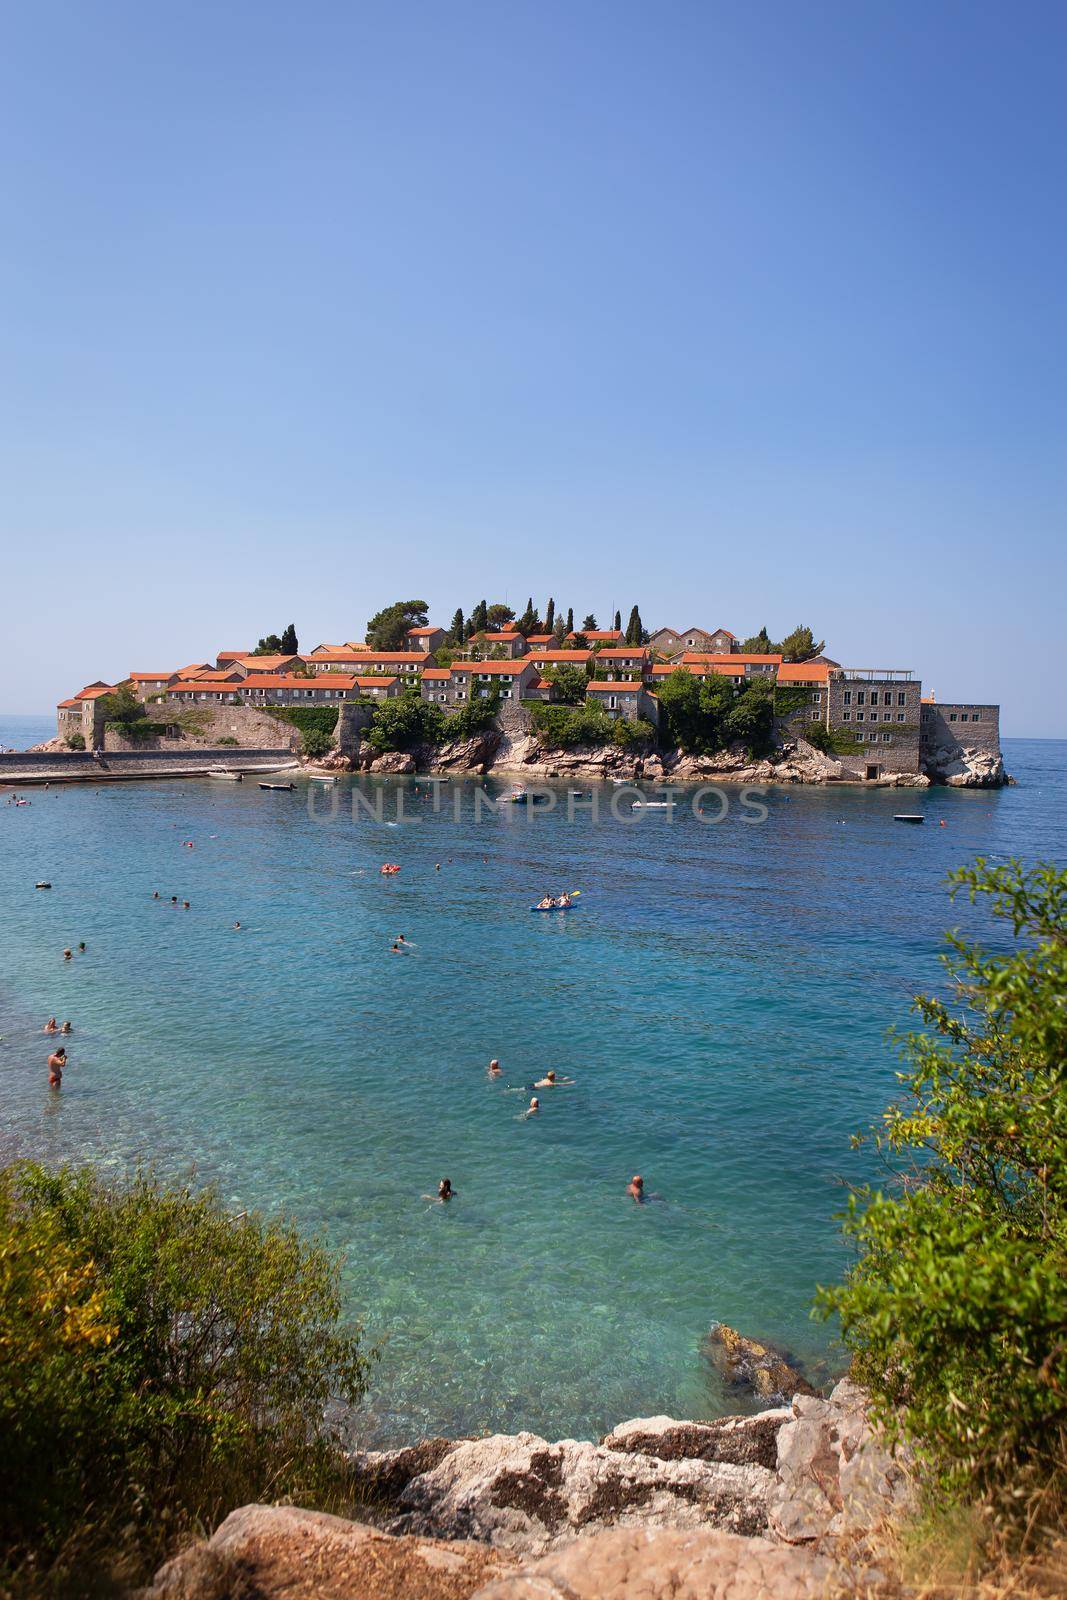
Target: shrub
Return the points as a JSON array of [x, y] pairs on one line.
[[956, 1309], [831, 741], [228, 739], [309, 719], [632, 733], [406, 721], [75, 741], [560, 728], [474, 717], [315, 743], [160, 1362]]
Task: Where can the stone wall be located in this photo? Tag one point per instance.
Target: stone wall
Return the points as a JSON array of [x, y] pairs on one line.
[[203, 727], [883, 715], [972, 727], [86, 766]]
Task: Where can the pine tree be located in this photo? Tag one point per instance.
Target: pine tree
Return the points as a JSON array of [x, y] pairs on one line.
[[529, 622], [455, 632], [617, 624], [290, 646], [559, 632], [550, 615], [589, 624], [570, 619], [634, 630], [480, 617]]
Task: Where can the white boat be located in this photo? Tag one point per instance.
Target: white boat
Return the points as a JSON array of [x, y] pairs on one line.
[[323, 777], [227, 777], [652, 805]]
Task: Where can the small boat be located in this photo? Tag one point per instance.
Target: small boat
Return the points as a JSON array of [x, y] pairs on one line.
[[909, 816], [620, 783], [322, 777], [284, 786], [227, 777], [522, 798], [652, 805], [551, 908]]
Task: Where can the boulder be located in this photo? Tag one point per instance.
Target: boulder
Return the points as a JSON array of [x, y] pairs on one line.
[[283, 1553], [836, 1475], [522, 1494], [668, 1564], [383, 1474], [745, 1364], [743, 1441], [397, 762]]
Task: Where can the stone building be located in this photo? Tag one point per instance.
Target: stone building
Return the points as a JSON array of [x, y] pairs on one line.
[[671, 642], [624, 698], [464, 681], [880, 709]]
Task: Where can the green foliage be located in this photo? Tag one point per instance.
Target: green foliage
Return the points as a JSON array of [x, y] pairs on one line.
[[571, 683], [309, 719], [550, 616], [831, 741], [498, 616], [632, 732], [570, 620], [139, 732], [758, 644], [635, 628], [475, 716], [589, 623], [121, 708], [956, 1309], [387, 629], [315, 743], [456, 634], [702, 718], [578, 642], [529, 622], [479, 618], [228, 739], [75, 741], [560, 630], [617, 624], [800, 645], [283, 644], [561, 729], [160, 1362], [405, 722], [444, 656]]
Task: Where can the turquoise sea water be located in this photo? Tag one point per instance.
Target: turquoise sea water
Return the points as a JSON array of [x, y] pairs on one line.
[[720, 994]]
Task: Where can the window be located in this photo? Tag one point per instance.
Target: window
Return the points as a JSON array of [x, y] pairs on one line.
[[848, 697], [846, 716], [815, 716], [902, 698], [859, 716], [952, 716], [874, 716], [887, 738], [900, 716], [874, 697], [861, 697], [613, 702]]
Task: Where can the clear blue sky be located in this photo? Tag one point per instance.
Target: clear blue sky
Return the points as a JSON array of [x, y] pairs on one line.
[[748, 312]]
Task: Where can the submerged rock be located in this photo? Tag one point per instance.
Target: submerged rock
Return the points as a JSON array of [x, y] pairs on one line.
[[522, 1494], [668, 1564], [283, 1553], [746, 1364]]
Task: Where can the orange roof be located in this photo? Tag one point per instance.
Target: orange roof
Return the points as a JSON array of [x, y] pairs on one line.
[[596, 634], [736, 658], [266, 663], [215, 675], [565, 658], [377, 680], [804, 672], [437, 673], [699, 667], [521, 665], [95, 690], [269, 680], [407, 656], [194, 666], [232, 655], [63, 704], [539, 638], [152, 677], [415, 633], [613, 686], [342, 653], [622, 650]]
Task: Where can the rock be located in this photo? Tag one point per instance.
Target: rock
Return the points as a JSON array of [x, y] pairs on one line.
[[383, 1474], [743, 1441], [522, 1494], [746, 1364], [397, 762], [668, 1564], [332, 761], [963, 768], [835, 1474], [283, 1553]]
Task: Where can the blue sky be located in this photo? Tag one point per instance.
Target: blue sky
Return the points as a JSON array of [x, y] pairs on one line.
[[749, 313]]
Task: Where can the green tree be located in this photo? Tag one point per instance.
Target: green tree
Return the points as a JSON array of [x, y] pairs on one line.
[[290, 643], [406, 721], [635, 632], [578, 641], [956, 1308], [559, 632], [759, 644], [571, 684], [160, 1359], [617, 624], [800, 645], [498, 616], [387, 629], [550, 616], [479, 619], [477, 715], [529, 622], [750, 720], [270, 645], [444, 656], [455, 632], [589, 623], [570, 620], [681, 716], [122, 707]]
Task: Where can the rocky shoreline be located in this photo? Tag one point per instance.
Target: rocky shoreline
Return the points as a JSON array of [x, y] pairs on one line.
[[780, 1503], [514, 753]]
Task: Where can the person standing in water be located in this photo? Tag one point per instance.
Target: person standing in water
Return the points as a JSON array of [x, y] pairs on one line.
[[636, 1189], [56, 1062]]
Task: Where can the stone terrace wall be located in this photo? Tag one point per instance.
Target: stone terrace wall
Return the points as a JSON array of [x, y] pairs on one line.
[[65, 766], [208, 725]]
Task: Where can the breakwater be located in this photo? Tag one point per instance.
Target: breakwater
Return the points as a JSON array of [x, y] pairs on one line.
[[86, 766]]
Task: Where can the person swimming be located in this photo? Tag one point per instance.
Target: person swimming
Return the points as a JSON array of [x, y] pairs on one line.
[[56, 1062], [68, 955], [51, 1026], [236, 926], [445, 1190], [67, 1028], [636, 1188], [551, 1080], [495, 1068], [533, 1108], [81, 944]]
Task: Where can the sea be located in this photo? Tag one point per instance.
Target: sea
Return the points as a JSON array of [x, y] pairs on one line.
[[721, 993]]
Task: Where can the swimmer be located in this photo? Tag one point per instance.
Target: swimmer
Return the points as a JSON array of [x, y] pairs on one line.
[[68, 955], [636, 1188], [551, 1081], [437, 867], [494, 1068], [51, 1026], [185, 905], [533, 1108], [236, 926], [445, 1192], [155, 894], [67, 1028], [400, 939], [81, 944], [395, 950], [174, 899], [56, 1062]]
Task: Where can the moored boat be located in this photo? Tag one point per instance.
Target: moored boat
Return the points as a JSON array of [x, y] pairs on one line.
[[909, 816]]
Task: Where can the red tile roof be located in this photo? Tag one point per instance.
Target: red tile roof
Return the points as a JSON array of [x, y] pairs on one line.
[[622, 650], [149, 677], [595, 635], [539, 638], [437, 674], [565, 658], [522, 664], [368, 657], [417, 633], [268, 680], [376, 680], [613, 686], [94, 691], [735, 657], [804, 672]]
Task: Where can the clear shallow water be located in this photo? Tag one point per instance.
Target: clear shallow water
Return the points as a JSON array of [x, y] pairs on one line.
[[721, 995]]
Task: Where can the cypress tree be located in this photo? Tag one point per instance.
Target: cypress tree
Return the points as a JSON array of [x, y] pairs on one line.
[[455, 632], [550, 615], [570, 619], [634, 630], [618, 622]]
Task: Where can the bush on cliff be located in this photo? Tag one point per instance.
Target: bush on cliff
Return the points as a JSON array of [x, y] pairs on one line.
[[702, 718], [956, 1309], [407, 721], [160, 1362]]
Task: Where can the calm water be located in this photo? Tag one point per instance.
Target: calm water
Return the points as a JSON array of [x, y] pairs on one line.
[[721, 995], [19, 733]]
